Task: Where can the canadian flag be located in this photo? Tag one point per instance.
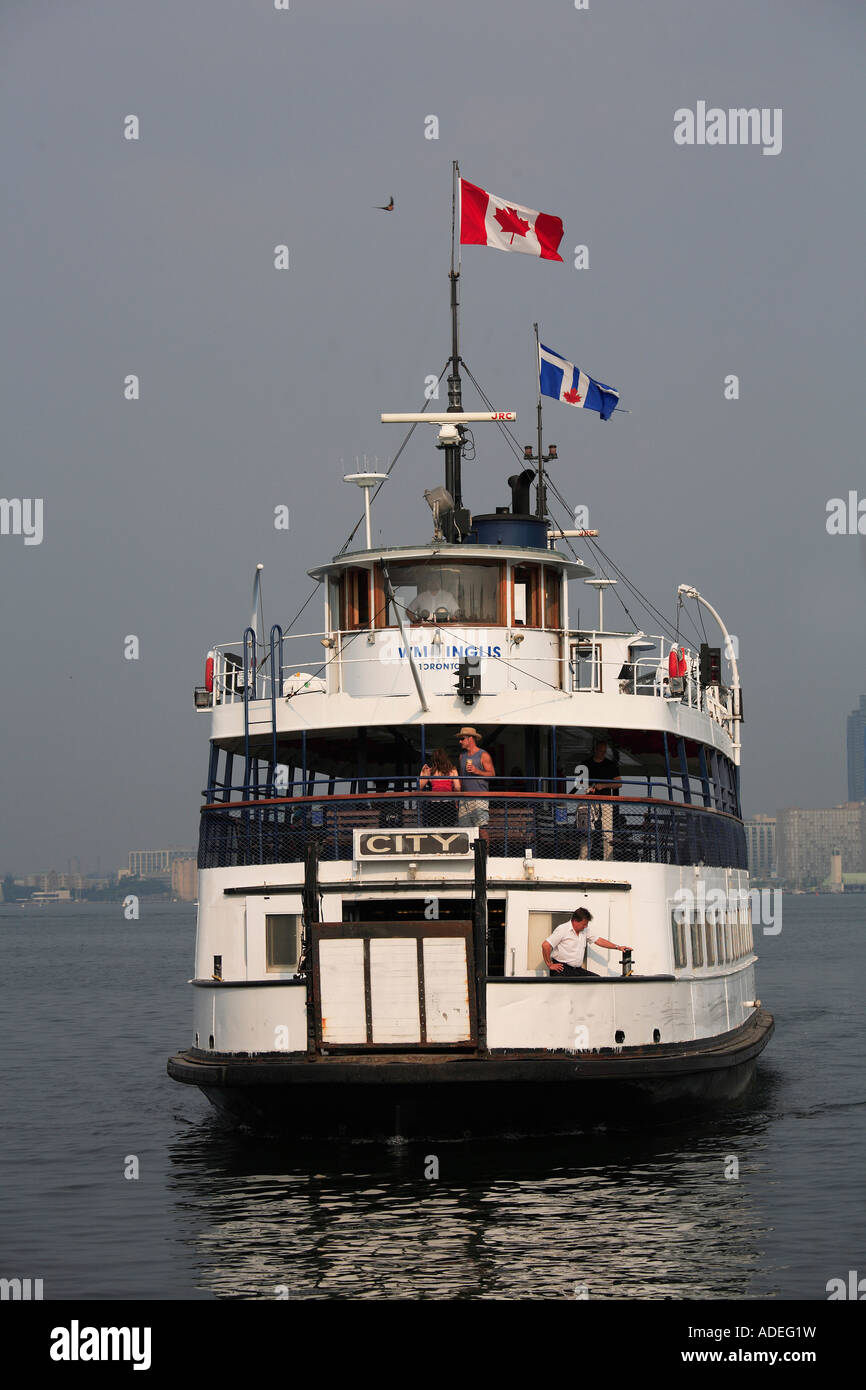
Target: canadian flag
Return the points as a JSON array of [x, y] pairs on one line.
[[486, 220]]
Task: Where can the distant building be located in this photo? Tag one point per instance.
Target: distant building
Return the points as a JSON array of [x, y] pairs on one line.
[[155, 863], [761, 845], [857, 752], [805, 841], [184, 879]]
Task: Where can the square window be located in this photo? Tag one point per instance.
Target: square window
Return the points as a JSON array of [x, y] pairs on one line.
[[283, 942]]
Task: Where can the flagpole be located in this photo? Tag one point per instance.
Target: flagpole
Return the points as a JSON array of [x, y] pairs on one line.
[[453, 480], [541, 502]]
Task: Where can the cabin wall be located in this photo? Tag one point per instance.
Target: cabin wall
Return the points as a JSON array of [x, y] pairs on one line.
[[257, 1010]]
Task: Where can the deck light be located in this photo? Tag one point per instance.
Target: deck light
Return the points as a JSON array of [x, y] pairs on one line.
[[440, 502]]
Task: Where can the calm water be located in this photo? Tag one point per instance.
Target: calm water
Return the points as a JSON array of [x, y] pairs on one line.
[[92, 1006]]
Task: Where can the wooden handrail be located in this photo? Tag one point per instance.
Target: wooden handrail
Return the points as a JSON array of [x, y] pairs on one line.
[[474, 796]]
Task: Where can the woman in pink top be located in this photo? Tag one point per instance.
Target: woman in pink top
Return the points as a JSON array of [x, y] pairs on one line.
[[440, 774]]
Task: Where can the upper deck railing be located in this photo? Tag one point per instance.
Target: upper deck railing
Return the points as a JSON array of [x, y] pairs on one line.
[[302, 661], [625, 829]]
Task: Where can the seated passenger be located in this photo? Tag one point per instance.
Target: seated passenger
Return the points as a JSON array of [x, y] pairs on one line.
[[565, 949]]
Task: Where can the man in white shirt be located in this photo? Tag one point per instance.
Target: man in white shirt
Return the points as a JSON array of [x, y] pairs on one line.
[[565, 948]]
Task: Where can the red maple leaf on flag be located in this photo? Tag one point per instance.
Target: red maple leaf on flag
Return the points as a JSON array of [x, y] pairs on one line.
[[571, 396], [510, 222]]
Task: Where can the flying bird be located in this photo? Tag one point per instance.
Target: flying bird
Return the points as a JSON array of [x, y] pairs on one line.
[[389, 207]]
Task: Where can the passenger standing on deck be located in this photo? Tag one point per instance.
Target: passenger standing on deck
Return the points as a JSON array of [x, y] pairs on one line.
[[564, 950], [439, 775], [604, 780], [476, 769]]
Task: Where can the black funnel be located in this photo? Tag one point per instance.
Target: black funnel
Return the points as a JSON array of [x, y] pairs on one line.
[[520, 484]]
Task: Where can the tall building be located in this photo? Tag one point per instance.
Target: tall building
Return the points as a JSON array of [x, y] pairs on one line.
[[184, 879], [761, 844], [805, 841], [857, 752], [155, 863]]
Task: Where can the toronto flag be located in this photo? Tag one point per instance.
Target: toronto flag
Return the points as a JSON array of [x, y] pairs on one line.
[[565, 382]]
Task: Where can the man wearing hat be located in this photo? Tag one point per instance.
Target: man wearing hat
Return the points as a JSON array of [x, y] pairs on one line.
[[476, 768]]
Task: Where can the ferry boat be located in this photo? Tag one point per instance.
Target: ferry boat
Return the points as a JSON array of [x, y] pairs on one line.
[[370, 953]]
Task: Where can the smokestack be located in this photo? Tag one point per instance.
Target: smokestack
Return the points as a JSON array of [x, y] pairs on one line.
[[520, 484]]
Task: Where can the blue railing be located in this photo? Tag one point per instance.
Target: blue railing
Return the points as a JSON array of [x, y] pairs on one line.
[[626, 829]]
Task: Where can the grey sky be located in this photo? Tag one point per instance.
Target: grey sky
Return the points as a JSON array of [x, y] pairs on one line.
[[259, 387]]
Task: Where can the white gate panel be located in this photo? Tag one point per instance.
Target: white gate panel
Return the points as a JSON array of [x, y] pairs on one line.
[[394, 1003], [446, 989], [341, 985]]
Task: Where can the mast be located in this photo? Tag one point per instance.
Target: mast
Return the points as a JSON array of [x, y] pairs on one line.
[[541, 501], [540, 457], [453, 480]]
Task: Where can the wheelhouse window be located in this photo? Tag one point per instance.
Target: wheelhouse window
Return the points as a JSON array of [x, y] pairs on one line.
[[525, 596], [355, 606], [552, 591], [437, 593]]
